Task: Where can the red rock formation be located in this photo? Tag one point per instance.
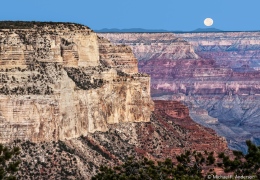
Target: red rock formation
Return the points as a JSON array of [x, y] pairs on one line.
[[170, 132], [174, 118]]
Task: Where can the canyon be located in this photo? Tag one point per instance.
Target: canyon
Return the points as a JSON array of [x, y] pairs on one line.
[[73, 101], [215, 74]]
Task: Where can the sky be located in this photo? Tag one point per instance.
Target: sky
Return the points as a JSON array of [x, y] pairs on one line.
[[183, 15]]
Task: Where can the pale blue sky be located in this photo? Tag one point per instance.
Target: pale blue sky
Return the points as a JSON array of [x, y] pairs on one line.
[[148, 14]]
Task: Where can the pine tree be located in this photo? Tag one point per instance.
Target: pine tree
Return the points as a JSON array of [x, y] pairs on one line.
[[9, 162]]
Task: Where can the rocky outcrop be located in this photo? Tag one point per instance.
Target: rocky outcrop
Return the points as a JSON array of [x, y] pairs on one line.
[[119, 57], [58, 82]]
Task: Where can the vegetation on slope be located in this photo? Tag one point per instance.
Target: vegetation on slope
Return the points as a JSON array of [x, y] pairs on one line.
[[33, 24], [191, 165]]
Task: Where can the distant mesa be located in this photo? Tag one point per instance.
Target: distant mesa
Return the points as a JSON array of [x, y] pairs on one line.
[[131, 30], [140, 30], [207, 30]]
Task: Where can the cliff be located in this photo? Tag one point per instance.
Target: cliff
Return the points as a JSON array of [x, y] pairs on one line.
[[58, 81]]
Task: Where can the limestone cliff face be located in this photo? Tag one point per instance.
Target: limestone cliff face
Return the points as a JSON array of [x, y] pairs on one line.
[[119, 57], [59, 82]]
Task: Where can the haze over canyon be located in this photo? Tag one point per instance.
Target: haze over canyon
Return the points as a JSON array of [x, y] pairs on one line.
[[215, 74]]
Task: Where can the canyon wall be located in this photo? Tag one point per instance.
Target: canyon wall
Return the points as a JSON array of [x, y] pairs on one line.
[[58, 82], [169, 133], [233, 49], [215, 74]]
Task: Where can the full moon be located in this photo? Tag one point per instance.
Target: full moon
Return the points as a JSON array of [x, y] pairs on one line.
[[208, 22]]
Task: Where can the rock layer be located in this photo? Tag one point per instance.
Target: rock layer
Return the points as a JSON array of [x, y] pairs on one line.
[[149, 46], [58, 82], [232, 49]]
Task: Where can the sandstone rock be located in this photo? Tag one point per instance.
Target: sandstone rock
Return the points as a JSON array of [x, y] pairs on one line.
[[120, 57], [54, 86]]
